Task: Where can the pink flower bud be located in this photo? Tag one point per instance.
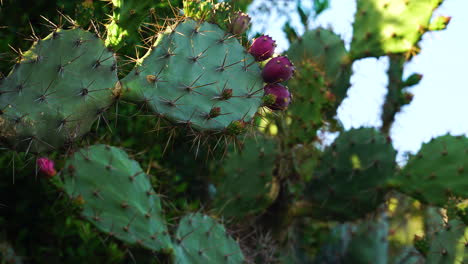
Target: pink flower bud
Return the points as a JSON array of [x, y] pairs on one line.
[[240, 23], [46, 167]]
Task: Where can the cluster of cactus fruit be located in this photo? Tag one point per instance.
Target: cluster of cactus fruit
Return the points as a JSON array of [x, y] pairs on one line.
[[266, 172]]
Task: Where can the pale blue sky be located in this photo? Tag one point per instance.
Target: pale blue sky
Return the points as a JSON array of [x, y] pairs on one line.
[[440, 104]]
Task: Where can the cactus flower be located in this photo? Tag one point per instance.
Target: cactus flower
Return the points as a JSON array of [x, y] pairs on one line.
[[281, 94], [46, 166]]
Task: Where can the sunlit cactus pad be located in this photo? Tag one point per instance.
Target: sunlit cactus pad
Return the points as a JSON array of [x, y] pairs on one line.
[[197, 75], [391, 26], [116, 196], [60, 87]]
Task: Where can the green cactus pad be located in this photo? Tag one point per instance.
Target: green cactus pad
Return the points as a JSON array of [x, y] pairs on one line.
[[335, 245], [247, 185], [128, 17], [351, 175], [408, 255], [200, 239], [364, 242], [208, 10], [60, 87], [197, 75], [329, 58], [396, 26], [321, 81], [310, 100], [368, 243], [116, 196], [438, 172], [448, 245]]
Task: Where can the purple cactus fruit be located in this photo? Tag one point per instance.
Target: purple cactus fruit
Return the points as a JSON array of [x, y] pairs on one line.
[[46, 166], [262, 48], [279, 69], [240, 23], [281, 94]]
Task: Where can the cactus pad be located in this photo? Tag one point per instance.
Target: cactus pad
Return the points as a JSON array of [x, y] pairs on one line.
[[368, 243], [200, 239], [396, 26], [438, 172], [116, 196], [247, 185], [364, 242], [329, 57], [198, 75], [310, 99], [208, 10], [60, 87], [351, 175], [127, 19], [448, 245], [322, 80]]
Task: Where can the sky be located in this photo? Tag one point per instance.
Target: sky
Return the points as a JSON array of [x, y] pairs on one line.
[[440, 103]]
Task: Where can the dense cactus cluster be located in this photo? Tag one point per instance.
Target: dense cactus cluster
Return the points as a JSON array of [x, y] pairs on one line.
[[206, 149]]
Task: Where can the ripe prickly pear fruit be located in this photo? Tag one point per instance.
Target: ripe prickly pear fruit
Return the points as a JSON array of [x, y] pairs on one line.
[[281, 94], [279, 69], [46, 167], [240, 23], [262, 48]]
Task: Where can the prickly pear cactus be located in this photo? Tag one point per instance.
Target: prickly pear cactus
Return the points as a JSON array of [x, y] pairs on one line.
[[247, 185], [383, 27], [126, 22], [209, 11], [448, 244], [368, 243], [397, 95], [116, 196], [330, 60], [334, 248], [321, 81], [351, 176], [408, 255], [197, 75], [283, 189], [200, 239], [436, 173], [57, 90], [364, 242]]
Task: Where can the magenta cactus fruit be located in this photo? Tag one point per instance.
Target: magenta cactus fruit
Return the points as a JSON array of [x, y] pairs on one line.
[[46, 167], [262, 48], [279, 69], [281, 94], [240, 23]]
